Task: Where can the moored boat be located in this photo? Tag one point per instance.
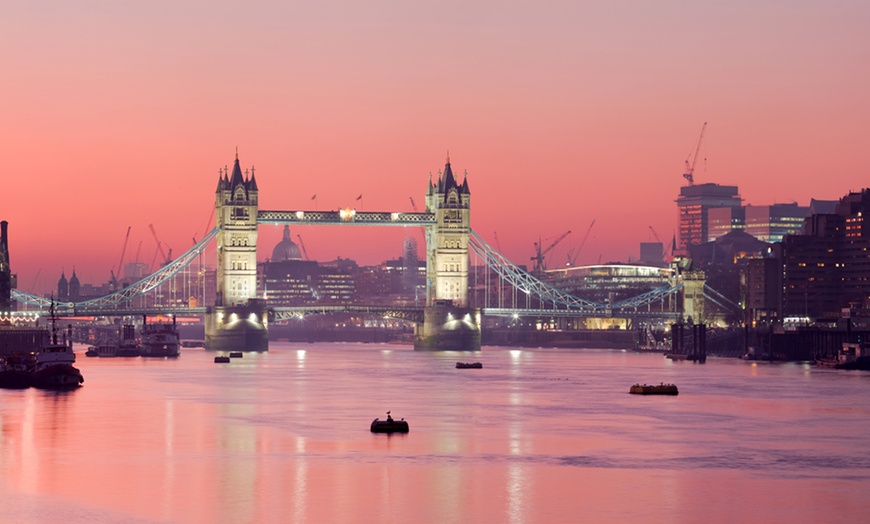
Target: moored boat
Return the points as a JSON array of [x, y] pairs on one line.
[[389, 425], [652, 389], [127, 345], [160, 340], [221, 359], [54, 364]]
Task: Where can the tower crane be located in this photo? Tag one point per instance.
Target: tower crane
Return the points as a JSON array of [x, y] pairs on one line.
[[302, 245], [574, 253], [656, 235], [659, 239], [121, 260], [689, 175], [414, 207], [166, 258], [539, 252]]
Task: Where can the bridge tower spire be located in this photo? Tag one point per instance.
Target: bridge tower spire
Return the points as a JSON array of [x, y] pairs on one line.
[[238, 318], [448, 321]]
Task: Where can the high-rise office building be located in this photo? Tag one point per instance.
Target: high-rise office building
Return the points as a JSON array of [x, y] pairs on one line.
[[771, 223], [694, 204]]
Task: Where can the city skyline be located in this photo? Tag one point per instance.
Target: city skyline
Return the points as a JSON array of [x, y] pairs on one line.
[[562, 114]]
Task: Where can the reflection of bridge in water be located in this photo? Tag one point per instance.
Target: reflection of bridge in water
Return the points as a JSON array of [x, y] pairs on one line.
[[466, 277]]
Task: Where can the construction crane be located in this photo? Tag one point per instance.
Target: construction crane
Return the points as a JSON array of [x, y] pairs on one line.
[[659, 239], [574, 253], [656, 235], [166, 258], [539, 252], [690, 168], [114, 279], [414, 207], [302, 245], [35, 280]]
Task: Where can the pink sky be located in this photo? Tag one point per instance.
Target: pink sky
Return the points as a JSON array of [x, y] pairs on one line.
[[121, 115]]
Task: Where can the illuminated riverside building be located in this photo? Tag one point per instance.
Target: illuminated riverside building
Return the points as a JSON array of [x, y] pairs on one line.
[[694, 204], [608, 283], [827, 267]]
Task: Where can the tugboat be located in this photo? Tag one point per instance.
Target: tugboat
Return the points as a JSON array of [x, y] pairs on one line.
[[160, 340], [389, 425], [54, 363]]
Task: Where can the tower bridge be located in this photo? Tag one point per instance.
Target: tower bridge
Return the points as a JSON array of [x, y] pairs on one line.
[[448, 320]]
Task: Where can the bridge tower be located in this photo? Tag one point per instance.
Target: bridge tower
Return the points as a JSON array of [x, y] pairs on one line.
[[449, 324], [238, 320], [693, 296]]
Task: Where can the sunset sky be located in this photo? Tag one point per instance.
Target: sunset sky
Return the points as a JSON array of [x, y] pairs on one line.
[[118, 114]]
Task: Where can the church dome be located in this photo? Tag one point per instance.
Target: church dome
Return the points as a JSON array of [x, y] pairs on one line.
[[286, 249]]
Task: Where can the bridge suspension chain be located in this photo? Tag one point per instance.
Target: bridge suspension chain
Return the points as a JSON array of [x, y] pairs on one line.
[[130, 292], [527, 283]]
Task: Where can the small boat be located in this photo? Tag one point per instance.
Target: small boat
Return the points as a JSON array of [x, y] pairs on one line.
[[235, 354], [469, 365], [103, 350], [389, 425], [91, 352], [661, 389], [221, 359]]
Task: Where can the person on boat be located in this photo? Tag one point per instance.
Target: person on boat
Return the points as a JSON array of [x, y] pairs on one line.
[[389, 418]]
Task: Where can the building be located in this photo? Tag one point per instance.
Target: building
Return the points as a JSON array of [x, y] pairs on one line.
[[826, 268], [7, 279], [652, 254], [771, 223], [694, 204], [288, 280], [723, 220]]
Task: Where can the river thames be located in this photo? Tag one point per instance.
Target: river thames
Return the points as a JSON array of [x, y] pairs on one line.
[[537, 435]]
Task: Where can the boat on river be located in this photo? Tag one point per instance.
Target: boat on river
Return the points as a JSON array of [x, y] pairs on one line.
[[652, 389], [160, 339], [389, 425], [54, 363], [469, 365]]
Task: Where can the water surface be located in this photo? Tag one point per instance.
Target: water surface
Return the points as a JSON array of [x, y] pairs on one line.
[[537, 435]]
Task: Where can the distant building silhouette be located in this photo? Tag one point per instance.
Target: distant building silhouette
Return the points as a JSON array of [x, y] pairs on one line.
[[7, 279], [63, 288]]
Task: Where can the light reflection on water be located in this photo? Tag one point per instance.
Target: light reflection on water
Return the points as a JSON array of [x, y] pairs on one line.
[[536, 435]]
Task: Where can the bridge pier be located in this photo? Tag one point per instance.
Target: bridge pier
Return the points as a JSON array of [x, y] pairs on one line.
[[448, 328], [237, 328]]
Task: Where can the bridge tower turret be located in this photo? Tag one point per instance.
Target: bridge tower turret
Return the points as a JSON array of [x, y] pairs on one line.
[[449, 323], [238, 318]]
